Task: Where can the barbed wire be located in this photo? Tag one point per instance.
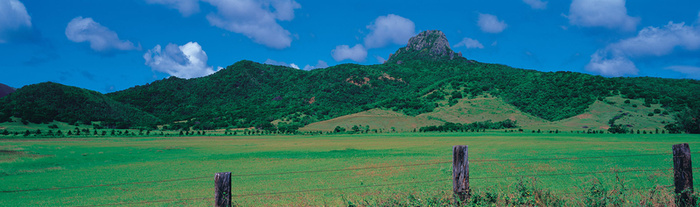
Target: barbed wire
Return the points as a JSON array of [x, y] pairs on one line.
[[394, 184], [103, 185], [332, 170], [148, 202]]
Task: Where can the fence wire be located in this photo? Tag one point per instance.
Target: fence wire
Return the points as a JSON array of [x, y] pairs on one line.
[[403, 183], [332, 170]]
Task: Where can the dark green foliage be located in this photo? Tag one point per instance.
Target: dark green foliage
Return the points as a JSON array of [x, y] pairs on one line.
[[618, 129], [46, 102], [688, 121], [249, 94], [457, 127]]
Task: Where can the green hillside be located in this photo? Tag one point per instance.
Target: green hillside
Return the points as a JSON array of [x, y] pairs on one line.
[[424, 80], [46, 102]]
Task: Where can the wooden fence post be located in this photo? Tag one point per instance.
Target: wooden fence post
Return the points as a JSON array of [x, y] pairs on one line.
[[222, 192], [460, 172], [683, 174]]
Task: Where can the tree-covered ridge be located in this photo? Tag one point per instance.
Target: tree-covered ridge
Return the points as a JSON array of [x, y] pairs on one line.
[[46, 102], [251, 94], [418, 78]]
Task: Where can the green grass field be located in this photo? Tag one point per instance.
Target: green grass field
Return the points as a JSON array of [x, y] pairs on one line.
[[77, 162]]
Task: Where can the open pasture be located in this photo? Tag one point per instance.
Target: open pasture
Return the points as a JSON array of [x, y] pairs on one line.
[[321, 170]]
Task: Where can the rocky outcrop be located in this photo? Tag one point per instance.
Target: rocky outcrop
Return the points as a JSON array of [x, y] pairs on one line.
[[431, 44]]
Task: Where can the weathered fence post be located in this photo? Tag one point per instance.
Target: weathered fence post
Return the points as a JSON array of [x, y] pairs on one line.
[[222, 192], [460, 172], [683, 174]]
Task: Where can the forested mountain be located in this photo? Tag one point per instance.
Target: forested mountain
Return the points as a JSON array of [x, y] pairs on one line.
[[5, 90], [45, 102], [413, 81]]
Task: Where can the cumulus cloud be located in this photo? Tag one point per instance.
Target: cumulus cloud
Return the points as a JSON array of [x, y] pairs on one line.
[[357, 53], [490, 23], [295, 66], [257, 20], [389, 29], [185, 7], [536, 4], [101, 38], [650, 41], [319, 65], [15, 22], [469, 43], [688, 71], [611, 65], [611, 14], [185, 61], [380, 59]]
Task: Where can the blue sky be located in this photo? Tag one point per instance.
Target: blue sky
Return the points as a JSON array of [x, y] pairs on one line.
[[111, 45]]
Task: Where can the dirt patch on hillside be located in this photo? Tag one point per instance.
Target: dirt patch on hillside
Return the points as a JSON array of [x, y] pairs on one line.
[[357, 82], [584, 116]]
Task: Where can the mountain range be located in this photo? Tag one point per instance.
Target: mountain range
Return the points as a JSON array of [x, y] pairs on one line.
[[425, 83]]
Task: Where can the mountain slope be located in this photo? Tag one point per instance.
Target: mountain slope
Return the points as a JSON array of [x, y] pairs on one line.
[[45, 102], [424, 79], [414, 81], [5, 90]]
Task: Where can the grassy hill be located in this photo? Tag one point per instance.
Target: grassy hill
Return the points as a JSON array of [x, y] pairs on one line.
[[48, 102], [423, 83]]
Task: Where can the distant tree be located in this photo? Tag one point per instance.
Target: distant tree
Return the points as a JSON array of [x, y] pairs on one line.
[[38, 132], [355, 129], [104, 133], [627, 101], [59, 133], [27, 133], [70, 133]]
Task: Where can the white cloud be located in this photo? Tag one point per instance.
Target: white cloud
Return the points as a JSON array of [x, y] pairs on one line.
[[536, 4], [660, 41], [257, 20], [101, 38], [14, 20], [319, 65], [614, 65], [490, 23], [389, 29], [295, 66], [186, 61], [380, 59], [610, 14], [650, 41], [185, 7], [469, 43], [357, 53], [689, 71]]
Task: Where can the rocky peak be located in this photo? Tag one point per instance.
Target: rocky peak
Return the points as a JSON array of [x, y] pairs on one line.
[[431, 44]]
